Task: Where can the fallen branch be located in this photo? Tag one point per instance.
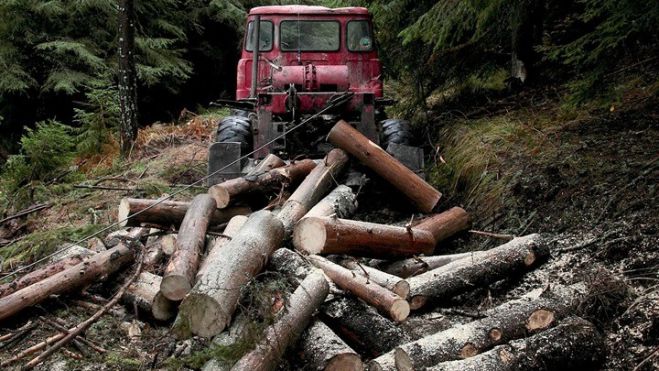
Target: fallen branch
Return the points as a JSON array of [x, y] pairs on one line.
[[27, 211]]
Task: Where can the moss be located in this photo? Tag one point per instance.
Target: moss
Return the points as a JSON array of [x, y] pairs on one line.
[[123, 362]]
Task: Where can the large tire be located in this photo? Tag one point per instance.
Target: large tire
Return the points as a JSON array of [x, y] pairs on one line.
[[395, 131], [236, 128]]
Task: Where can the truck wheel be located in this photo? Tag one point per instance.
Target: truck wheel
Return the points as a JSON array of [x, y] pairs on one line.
[[395, 131], [236, 128]]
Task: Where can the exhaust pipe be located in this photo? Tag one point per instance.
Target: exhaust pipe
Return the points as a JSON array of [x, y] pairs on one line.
[[256, 49]]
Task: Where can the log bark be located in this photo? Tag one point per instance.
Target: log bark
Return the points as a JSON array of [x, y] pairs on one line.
[[144, 293], [153, 254], [183, 265], [322, 349], [384, 300], [361, 326], [226, 192], [446, 224], [39, 274], [463, 275], [196, 313], [167, 214], [575, 344], [343, 236], [291, 265], [268, 163], [67, 280], [301, 305], [390, 282], [340, 203], [415, 266], [313, 188], [128, 236], [506, 322], [422, 194]]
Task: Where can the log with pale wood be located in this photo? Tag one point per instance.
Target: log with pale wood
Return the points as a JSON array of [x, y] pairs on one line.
[[166, 215], [536, 311], [300, 307], [397, 285], [312, 189], [196, 314], [180, 272], [39, 274], [575, 344], [516, 256], [422, 194], [144, 293], [343, 236], [323, 350], [130, 236], [414, 266], [340, 203], [228, 191], [446, 224], [72, 278], [384, 300], [270, 162]]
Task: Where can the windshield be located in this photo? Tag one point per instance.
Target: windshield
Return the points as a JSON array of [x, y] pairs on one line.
[[310, 35]]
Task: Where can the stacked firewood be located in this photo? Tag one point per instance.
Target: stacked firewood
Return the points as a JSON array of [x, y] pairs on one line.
[[355, 281]]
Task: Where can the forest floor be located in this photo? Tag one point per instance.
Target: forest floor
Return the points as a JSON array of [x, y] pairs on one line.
[[587, 181]]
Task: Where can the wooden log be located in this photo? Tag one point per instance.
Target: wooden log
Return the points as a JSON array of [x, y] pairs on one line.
[[153, 254], [340, 203], [67, 280], [167, 214], [343, 236], [144, 293], [131, 236], [384, 300], [322, 349], [226, 192], [291, 265], [574, 344], [39, 274], [506, 322], [313, 188], [239, 329], [183, 265], [70, 250], [397, 285], [446, 224], [414, 266], [270, 162], [422, 194], [196, 314], [361, 326], [516, 256], [301, 305]]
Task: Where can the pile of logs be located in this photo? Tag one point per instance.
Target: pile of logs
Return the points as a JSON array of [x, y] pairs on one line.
[[354, 282]]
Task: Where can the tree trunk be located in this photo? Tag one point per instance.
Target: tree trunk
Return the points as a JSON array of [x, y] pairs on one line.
[[183, 265], [506, 322], [322, 349], [127, 76], [446, 224], [390, 282], [516, 256], [361, 326], [196, 313], [39, 274], [67, 280], [226, 192], [384, 300], [301, 305], [343, 236], [422, 194], [167, 214], [575, 344], [312, 189], [340, 203], [414, 266], [268, 163], [130, 236], [291, 265], [144, 293]]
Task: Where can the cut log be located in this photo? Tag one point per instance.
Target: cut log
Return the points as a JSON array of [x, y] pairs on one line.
[[197, 310], [128, 236], [226, 192], [415, 266], [343, 236], [301, 305], [144, 293], [322, 349], [238, 329], [340, 203], [506, 322], [291, 265], [153, 254], [67, 280], [384, 300], [422, 194], [184, 263], [575, 344], [268, 163], [166, 215], [39, 275], [72, 251], [361, 326], [446, 224], [313, 188], [463, 275], [390, 282]]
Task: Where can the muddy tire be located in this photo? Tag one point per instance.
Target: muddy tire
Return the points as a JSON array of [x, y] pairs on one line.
[[395, 131], [236, 128]]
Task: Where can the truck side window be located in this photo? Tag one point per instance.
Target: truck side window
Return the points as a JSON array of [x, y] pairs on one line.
[[359, 37], [265, 36]]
